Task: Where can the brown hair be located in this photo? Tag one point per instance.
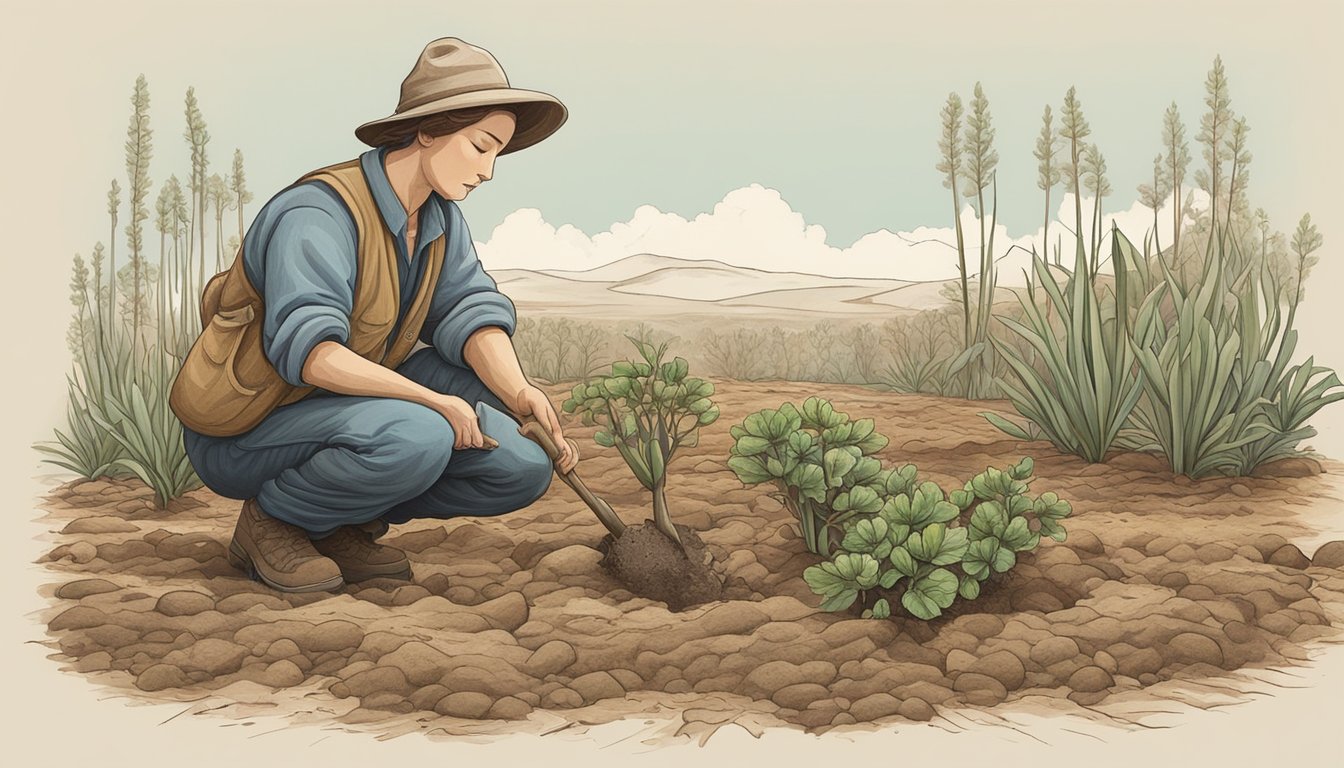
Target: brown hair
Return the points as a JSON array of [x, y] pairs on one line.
[[440, 124]]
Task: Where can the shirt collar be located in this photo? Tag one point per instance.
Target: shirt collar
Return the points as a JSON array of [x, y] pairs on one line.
[[432, 223]]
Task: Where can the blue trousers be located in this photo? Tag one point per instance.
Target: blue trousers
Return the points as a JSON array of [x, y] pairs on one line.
[[331, 460]]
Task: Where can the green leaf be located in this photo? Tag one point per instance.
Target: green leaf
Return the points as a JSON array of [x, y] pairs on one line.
[[808, 479], [864, 500], [937, 544], [824, 581], [979, 557], [926, 597], [818, 414], [801, 444], [757, 425], [1023, 469], [618, 386], [866, 536], [866, 469], [889, 578], [1018, 505], [675, 371], [901, 481], [988, 521], [1018, 536], [882, 609], [750, 445], [1050, 506], [961, 499], [927, 506], [837, 462], [749, 470], [1053, 529], [897, 534], [840, 601], [901, 560], [969, 588], [603, 439], [1005, 425]]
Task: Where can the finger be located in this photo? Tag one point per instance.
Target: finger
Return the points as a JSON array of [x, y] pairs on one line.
[[457, 438], [555, 426]]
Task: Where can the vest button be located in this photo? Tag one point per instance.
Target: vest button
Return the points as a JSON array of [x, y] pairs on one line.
[[409, 335]]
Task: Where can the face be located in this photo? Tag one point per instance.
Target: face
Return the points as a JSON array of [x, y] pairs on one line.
[[456, 163]]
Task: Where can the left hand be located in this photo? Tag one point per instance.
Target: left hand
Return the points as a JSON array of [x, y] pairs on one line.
[[531, 401]]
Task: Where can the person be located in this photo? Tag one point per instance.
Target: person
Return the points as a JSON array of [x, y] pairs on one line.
[[302, 396]]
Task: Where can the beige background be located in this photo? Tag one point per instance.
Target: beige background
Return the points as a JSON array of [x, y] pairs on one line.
[[50, 718]]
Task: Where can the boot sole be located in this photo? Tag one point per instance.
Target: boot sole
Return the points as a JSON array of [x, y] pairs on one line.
[[240, 559], [401, 574]]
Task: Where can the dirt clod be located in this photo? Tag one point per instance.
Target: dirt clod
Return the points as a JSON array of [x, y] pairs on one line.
[[653, 566]]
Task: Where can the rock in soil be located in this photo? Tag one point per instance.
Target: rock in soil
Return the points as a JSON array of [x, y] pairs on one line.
[[654, 566], [1330, 555]]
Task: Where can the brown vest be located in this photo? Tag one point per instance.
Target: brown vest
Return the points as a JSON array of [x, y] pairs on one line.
[[227, 385]]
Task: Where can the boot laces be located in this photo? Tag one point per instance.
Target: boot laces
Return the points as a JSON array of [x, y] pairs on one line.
[[349, 541], [285, 546]]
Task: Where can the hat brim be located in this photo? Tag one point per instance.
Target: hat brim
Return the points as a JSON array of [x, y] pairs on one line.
[[541, 114]]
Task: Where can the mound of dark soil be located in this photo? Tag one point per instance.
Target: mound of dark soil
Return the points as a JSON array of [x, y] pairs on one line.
[[654, 566]]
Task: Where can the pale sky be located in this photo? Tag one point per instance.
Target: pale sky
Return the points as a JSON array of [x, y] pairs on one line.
[[674, 105]]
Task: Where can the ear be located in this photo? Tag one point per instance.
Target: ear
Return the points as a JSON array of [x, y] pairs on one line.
[[424, 139]]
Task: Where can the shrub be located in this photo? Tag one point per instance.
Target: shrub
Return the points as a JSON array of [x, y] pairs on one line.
[[647, 410], [927, 547]]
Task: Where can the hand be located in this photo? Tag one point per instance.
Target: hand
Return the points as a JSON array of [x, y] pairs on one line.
[[531, 401], [462, 416]]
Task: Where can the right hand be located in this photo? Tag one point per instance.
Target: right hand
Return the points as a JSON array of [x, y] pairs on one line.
[[462, 417]]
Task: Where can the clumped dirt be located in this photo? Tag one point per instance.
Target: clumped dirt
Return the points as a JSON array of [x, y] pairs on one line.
[[512, 624], [654, 566]]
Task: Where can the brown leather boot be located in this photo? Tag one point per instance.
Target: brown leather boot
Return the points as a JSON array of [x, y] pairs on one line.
[[279, 554], [354, 550]]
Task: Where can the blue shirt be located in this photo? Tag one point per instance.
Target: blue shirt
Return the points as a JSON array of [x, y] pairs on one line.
[[300, 255]]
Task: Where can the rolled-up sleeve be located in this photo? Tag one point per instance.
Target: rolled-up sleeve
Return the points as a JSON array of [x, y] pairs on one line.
[[309, 287], [466, 299]]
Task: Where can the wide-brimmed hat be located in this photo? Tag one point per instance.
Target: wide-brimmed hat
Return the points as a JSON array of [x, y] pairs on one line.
[[452, 74]]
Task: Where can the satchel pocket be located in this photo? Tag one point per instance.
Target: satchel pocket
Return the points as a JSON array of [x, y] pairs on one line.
[[221, 339]]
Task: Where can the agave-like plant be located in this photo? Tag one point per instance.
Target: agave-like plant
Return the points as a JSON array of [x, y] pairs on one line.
[[1206, 371], [139, 419], [85, 448], [1081, 394]]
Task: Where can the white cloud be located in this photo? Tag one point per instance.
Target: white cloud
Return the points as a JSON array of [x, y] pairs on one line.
[[754, 227]]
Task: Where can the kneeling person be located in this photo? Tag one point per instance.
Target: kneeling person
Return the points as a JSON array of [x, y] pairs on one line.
[[302, 396]]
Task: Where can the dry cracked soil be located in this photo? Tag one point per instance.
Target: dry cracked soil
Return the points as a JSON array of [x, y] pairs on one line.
[[510, 626]]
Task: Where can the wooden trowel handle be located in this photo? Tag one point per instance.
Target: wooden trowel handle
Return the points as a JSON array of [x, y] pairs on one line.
[[533, 430]]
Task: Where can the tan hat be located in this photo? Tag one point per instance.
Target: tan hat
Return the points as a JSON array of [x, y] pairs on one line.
[[452, 74]]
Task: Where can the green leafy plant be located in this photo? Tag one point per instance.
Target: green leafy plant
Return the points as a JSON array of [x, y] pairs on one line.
[[647, 410], [928, 547], [820, 462]]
